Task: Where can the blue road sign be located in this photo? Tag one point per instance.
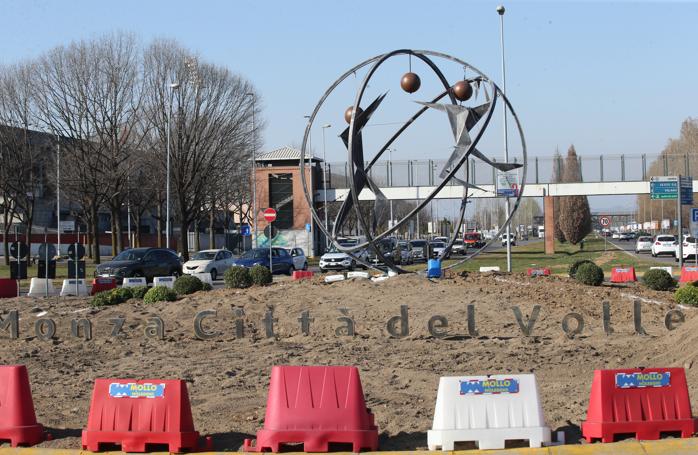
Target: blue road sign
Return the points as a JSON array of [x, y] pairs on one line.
[[686, 190], [694, 215], [245, 230], [308, 227]]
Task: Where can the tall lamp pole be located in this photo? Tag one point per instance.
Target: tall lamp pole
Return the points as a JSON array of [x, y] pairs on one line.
[[324, 179], [173, 86], [254, 172], [500, 11], [390, 183], [312, 188], [58, 192]]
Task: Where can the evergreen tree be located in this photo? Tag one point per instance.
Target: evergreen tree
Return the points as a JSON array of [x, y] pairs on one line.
[[575, 216], [558, 170]]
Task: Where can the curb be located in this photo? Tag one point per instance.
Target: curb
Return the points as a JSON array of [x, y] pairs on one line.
[[672, 446]]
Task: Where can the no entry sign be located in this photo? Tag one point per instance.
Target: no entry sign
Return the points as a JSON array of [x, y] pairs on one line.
[[605, 221], [269, 214]]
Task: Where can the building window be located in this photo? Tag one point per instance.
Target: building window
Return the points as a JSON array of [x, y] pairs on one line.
[[281, 199]]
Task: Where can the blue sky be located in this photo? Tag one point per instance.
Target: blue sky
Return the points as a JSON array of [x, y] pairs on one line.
[[610, 77]]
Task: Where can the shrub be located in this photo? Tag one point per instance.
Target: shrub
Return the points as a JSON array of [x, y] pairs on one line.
[[187, 284], [260, 275], [160, 294], [101, 299], [687, 295], [590, 274], [659, 280], [206, 287], [575, 265], [237, 277], [120, 295], [139, 292]]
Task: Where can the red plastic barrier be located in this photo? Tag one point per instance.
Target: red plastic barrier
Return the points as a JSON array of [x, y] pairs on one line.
[[135, 414], [623, 274], [17, 418], [544, 271], [8, 288], [301, 274], [689, 273], [316, 406], [644, 402], [100, 284]]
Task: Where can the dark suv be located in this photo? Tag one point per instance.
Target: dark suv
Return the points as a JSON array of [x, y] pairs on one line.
[[145, 262]]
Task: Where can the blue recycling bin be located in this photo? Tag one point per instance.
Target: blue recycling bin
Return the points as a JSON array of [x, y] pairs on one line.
[[434, 268]]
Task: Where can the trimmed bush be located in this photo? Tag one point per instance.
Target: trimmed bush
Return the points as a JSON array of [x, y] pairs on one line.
[[590, 274], [659, 280], [206, 287], [687, 295], [187, 284], [575, 265], [101, 299], [237, 277], [120, 295], [260, 275], [139, 292], [160, 294]]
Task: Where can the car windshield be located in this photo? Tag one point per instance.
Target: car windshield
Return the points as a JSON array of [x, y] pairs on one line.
[[644, 239], [204, 256], [130, 255], [666, 238], [471, 236], [256, 254], [691, 240], [417, 243], [438, 244]]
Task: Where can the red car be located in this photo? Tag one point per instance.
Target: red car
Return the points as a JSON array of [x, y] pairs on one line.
[[473, 240]]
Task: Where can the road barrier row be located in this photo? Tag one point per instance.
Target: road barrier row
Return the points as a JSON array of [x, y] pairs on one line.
[[323, 406]]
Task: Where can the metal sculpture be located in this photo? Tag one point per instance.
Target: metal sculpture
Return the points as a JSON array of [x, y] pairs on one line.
[[463, 121]]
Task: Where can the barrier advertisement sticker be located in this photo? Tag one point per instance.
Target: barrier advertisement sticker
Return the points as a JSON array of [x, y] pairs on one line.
[[644, 379], [133, 390], [489, 386]]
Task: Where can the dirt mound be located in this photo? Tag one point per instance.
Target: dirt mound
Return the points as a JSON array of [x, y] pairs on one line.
[[228, 377]]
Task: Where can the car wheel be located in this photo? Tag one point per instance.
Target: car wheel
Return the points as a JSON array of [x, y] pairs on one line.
[[305, 265], [290, 270], [352, 266], [653, 254], [214, 274]]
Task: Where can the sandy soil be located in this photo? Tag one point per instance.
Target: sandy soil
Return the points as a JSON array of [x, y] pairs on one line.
[[228, 377]]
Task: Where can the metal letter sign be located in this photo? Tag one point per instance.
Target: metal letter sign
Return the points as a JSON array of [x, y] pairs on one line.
[[664, 187]]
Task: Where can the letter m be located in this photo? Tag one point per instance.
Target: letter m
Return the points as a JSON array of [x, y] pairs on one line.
[[11, 322]]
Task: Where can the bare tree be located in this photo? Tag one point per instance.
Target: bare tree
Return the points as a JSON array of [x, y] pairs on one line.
[[211, 126]]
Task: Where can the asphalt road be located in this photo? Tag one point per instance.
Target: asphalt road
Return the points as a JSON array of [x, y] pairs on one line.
[[629, 247]]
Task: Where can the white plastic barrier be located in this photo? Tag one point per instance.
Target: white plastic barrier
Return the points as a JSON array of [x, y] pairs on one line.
[[364, 275], [334, 278], [132, 282], [38, 287], [490, 269], [74, 287], [488, 410], [379, 278], [167, 281], [667, 269], [204, 277]]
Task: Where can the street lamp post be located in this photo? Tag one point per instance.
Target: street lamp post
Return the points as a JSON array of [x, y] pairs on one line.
[[500, 11], [254, 172], [173, 86], [324, 179], [58, 193], [312, 188], [390, 183]]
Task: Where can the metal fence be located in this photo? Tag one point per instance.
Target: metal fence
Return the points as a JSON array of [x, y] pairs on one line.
[[604, 168]]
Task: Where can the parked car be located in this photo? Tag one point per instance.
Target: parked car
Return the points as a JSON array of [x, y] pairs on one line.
[[437, 248], [690, 248], [644, 244], [505, 239], [141, 262], [664, 244], [282, 262], [419, 250], [405, 253], [473, 240], [215, 262], [389, 249], [335, 259], [300, 262], [458, 247]]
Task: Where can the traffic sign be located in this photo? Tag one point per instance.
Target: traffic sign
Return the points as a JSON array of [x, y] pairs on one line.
[[686, 190], [18, 250], [76, 255], [665, 187], [245, 230], [507, 183], [605, 221], [269, 214]]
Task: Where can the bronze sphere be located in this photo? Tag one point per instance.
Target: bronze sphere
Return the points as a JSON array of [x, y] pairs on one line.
[[349, 111], [462, 90], [410, 82]]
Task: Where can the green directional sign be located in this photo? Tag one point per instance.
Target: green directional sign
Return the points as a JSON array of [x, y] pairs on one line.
[[664, 187]]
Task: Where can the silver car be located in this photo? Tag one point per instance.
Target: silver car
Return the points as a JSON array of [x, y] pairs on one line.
[[215, 262], [643, 245]]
